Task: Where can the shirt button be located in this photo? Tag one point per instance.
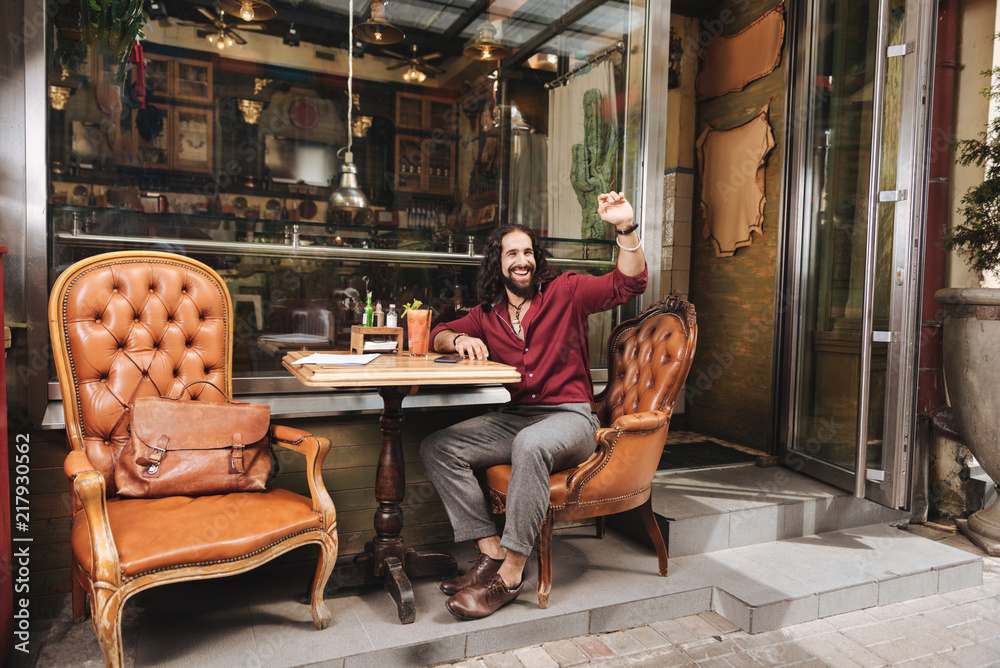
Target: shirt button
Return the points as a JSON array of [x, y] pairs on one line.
[[531, 375], [532, 396], [525, 350]]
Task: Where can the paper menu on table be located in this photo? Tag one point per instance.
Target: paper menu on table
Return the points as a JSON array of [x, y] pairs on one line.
[[334, 358], [380, 345]]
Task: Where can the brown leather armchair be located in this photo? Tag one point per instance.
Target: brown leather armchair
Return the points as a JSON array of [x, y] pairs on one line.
[[159, 321], [648, 361]]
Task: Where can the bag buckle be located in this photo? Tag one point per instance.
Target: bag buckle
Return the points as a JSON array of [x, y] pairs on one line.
[[236, 461], [157, 456]]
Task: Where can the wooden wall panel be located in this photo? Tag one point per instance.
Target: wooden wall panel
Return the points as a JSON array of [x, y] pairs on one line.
[[729, 388]]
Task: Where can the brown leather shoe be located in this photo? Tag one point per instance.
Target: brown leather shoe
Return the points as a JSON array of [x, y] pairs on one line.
[[483, 568], [482, 600]]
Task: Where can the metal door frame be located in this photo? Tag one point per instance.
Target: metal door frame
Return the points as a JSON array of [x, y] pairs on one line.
[[889, 486]]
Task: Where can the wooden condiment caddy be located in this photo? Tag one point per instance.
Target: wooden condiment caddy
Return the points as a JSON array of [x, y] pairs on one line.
[[359, 334]]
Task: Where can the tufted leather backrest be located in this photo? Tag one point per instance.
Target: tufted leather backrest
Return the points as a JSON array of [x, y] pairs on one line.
[[127, 325], [648, 360]]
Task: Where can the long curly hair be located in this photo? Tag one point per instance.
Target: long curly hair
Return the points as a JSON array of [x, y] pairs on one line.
[[489, 284]]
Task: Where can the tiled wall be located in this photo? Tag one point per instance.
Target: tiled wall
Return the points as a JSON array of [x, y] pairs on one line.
[[678, 200]]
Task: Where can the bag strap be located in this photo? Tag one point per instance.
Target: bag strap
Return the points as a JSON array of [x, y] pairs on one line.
[[128, 409], [206, 382], [131, 400]]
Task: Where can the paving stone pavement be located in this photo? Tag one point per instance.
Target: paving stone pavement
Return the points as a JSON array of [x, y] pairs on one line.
[[959, 628]]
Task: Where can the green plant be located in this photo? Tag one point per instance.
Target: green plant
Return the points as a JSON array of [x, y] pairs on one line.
[[115, 25], [978, 237]]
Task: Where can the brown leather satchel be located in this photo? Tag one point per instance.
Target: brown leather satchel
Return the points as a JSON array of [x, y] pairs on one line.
[[194, 448]]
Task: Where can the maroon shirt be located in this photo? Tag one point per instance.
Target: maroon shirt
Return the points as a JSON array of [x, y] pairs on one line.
[[554, 358]]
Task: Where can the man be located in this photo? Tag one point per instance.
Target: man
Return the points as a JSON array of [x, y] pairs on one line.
[[538, 325]]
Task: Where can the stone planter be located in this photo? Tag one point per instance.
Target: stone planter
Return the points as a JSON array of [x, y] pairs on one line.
[[972, 375]]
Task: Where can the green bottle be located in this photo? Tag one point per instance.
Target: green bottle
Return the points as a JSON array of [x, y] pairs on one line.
[[369, 311]]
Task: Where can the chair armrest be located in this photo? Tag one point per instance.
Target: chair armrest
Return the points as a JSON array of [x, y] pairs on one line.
[[639, 422], [315, 449], [77, 461], [619, 447], [88, 485]]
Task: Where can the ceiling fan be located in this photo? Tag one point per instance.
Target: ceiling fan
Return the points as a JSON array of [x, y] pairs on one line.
[[419, 68], [218, 32]]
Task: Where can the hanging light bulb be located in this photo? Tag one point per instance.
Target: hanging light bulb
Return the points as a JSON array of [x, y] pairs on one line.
[[485, 46], [211, 37], [377, 30], [248, 10], [348, 196], [220, 41]]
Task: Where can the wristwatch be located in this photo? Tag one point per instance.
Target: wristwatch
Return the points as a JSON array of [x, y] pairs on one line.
[[457, 337], [628, 230]]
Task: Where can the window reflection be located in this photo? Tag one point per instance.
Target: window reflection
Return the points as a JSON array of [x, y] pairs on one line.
[[230, 154]]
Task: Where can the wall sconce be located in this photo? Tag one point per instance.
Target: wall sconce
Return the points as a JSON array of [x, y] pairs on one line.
[[361, 125], [486, 46], [548, 62], [251, 111], [377, 30], [248, 10], [58, 96]]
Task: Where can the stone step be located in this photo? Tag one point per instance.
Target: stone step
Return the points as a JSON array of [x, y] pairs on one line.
[[771, 585], [707, 510]]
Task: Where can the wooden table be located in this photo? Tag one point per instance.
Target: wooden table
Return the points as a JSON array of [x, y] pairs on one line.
[[385, 558]]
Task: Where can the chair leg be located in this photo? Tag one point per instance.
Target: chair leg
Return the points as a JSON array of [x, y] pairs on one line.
[[106, 611], [545, 561], [79, 596], [653, 529], [324, 568], [600, 526]]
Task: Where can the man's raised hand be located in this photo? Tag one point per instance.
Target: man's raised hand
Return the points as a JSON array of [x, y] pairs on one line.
[[613, 208]]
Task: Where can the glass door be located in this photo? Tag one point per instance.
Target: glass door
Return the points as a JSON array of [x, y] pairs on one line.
[[861, 97]]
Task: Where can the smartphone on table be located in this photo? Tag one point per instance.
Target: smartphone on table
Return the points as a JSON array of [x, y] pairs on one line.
[[448, 359]]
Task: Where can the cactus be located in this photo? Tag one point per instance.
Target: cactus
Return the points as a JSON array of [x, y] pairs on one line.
[[595, 164]]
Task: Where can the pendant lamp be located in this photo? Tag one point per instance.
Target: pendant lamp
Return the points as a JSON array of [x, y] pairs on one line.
[[348, 196], [248, 10], [377, 30], [485, 46]]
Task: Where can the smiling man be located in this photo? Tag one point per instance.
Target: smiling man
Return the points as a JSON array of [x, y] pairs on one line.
[[538, 324]]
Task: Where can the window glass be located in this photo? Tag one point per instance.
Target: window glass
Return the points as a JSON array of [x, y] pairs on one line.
[[227, 139]]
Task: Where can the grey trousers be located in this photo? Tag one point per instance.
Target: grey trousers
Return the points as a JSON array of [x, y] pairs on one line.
[[534, 440]]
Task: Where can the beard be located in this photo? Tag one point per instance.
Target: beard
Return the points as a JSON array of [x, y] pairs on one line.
[[522, 291]]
